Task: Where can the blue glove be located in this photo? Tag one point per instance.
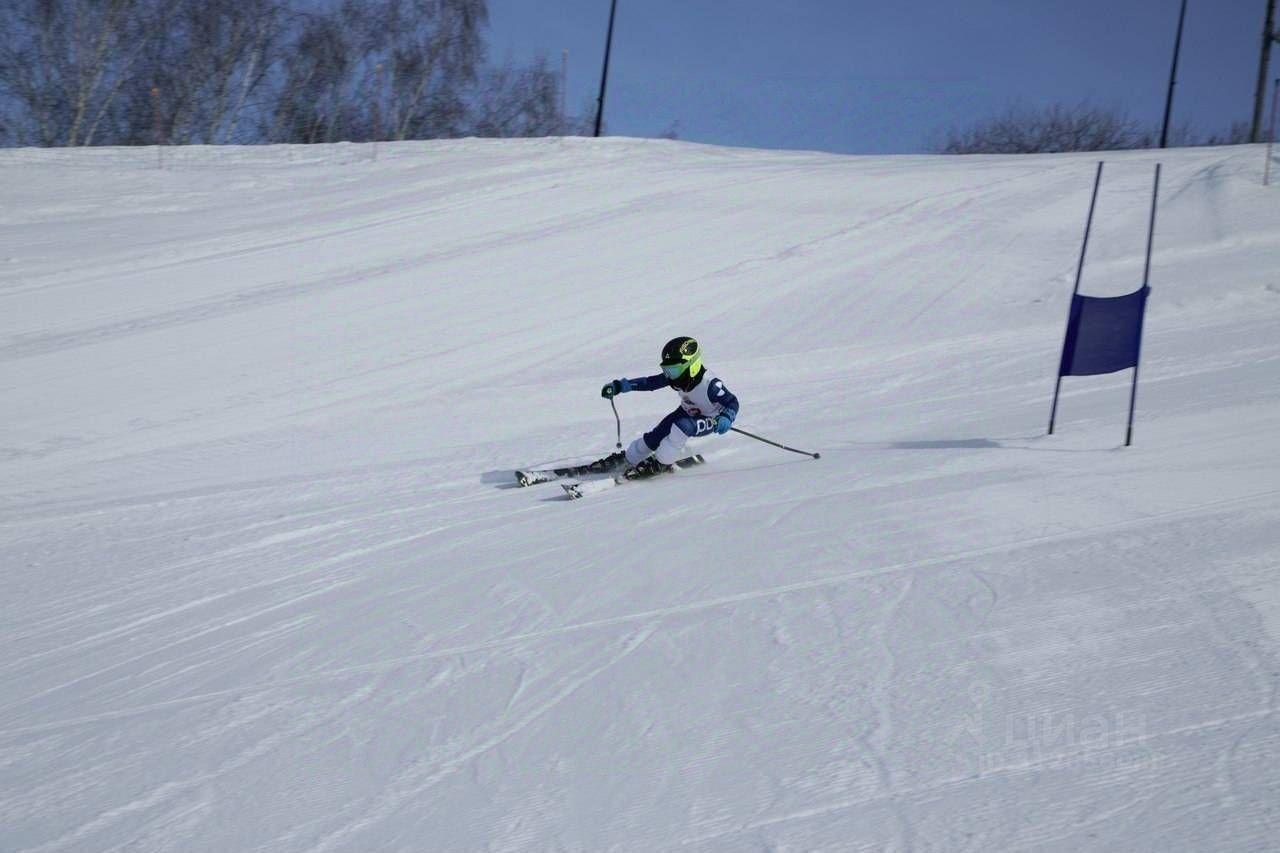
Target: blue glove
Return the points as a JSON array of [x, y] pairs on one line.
[[617, 386], [724, 422]]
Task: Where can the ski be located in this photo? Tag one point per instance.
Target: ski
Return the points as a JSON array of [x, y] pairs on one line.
[[534, 476], [581, 489]]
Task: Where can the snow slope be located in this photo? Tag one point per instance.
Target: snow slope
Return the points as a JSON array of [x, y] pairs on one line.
[[266, 584]]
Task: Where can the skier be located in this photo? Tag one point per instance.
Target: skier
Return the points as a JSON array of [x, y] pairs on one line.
[[706, 407]]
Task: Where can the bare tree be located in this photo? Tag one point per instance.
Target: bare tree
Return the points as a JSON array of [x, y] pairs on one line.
[[310, 105], [519, 102], [1239, 133], [214, 55], [64, 62], [431, 53], [1021, 130], [231, 42], [397, 69], [1079, 128], [83, 72]]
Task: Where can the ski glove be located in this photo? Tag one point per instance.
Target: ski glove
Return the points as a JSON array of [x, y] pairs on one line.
[[724, 421], [617, 386]]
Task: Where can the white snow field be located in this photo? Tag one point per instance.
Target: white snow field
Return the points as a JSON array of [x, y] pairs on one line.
[[268, 585]]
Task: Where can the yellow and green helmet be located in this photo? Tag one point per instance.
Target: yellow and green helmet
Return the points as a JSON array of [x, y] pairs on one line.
[[681, 356]]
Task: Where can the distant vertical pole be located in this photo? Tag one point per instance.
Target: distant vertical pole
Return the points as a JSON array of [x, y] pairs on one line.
[[1088, 223], [377, 108], [604, 75], [1271, 133], [1269, 35], [1146, 285], [1173, 77], [564, 90], [155, 122]]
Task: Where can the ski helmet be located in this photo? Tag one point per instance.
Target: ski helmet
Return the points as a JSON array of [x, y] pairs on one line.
[[681, 356]]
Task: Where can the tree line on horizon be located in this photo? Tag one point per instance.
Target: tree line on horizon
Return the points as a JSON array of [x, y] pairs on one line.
[[179, 72], [1080, 127]]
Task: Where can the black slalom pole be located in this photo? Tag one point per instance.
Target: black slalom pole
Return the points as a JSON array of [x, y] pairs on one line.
[[604, 75], [1173, 78], [1088, 223], [810, 454], [1146, 286]]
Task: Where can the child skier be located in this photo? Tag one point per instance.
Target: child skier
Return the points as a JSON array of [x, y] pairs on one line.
[[706, 407]]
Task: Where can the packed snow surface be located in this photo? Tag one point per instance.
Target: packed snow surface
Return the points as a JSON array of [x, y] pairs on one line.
[[267, 583]]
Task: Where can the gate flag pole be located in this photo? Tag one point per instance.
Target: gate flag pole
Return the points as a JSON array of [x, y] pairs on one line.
[[1146, 287], [1104, 333], [1088, 223]]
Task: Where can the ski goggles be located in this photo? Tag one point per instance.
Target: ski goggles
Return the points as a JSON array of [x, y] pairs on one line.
[[674, 371]]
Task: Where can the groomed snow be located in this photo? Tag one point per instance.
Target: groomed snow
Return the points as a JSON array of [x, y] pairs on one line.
[[266, 584]]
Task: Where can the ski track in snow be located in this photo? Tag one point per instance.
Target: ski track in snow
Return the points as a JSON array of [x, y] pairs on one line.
[[594, 625], [265, 583]]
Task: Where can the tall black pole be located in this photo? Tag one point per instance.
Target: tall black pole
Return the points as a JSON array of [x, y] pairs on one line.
[[604, 75], [1269, 35], [1088, 223], [1173, 78]]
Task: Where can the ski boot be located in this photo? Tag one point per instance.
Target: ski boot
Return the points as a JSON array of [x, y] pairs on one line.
[[609, 463], [648, 467]]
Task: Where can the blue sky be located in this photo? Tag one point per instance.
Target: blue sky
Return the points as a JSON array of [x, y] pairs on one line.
[[869, 76]]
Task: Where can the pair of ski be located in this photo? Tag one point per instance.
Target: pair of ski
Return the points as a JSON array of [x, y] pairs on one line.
[[581, 488]]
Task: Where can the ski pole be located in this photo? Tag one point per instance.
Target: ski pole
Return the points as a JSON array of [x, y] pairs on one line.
[[618, 419], [776, 444]]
